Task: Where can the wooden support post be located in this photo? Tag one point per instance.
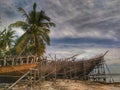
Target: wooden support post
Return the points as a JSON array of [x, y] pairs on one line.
[[27, 60], [84, 70], [33, 74], [34, 59], [64, 70], [75, 69], [55, 69], [70, 70], [40, 70], [13, 62], [5, 61], [103, 72], [42, 67], [64, 73], [21, 61], [84, 74], [31, 60]]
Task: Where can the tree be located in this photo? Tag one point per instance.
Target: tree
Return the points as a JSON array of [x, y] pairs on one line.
[[7, 40], [37, 27], [1, 38]]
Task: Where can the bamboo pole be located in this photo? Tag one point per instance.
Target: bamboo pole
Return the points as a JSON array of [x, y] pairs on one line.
[[18, 80]]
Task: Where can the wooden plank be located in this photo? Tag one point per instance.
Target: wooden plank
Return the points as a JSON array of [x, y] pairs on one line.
[[19, 80]]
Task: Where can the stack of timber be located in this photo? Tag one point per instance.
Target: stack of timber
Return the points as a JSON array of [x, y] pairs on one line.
[[13, 68]]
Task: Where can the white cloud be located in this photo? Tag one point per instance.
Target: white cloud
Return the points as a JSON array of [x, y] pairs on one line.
[[70, 32], [64, 11], [111, 58], [18, 31]]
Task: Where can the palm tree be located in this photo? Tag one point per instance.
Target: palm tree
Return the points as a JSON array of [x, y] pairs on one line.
[[7, 40], [36, 27], [1, 38]]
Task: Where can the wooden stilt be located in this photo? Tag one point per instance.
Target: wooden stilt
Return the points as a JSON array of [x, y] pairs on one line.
[[4, 61], [13, 62]]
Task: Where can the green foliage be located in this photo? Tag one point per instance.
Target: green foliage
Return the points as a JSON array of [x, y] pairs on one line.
[[7, 37], [37, 28]]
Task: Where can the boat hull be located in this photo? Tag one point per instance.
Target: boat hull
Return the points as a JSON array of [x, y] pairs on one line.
[[63, 68], [12, 73]]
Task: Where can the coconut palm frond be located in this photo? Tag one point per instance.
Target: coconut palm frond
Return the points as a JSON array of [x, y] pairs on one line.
[[22, 42], [43, 33], [34, 6], [21, 24], [1, 33], [48, 24], [43, 15], [23, 12]]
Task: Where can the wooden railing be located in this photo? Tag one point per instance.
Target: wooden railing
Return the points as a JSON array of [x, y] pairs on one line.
[[12, 61]]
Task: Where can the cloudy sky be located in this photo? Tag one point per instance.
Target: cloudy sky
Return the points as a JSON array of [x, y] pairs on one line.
[[81, 25], [78, 21]]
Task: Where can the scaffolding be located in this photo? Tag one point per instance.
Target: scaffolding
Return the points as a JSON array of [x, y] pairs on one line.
[[93, 69], [101, 73]]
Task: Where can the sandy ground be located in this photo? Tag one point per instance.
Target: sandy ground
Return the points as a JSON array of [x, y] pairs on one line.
[[67, 85]]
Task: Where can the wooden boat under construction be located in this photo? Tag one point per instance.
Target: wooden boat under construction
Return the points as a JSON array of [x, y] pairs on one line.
[[12, 68]]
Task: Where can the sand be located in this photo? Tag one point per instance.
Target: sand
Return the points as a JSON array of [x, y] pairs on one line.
[[67, 85]]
